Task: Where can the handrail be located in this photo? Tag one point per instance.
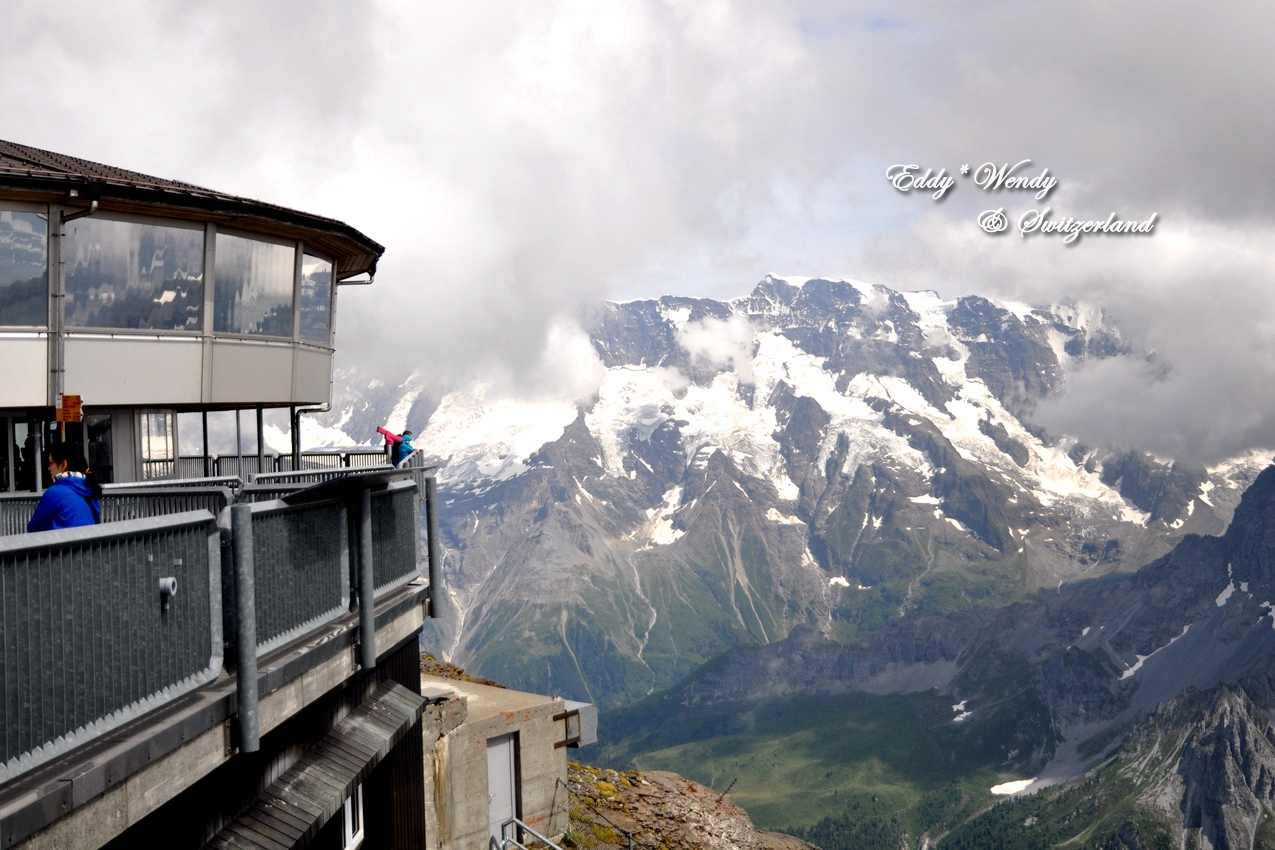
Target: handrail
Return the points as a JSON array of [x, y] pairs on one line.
[[313, 475], [310, 556], [232, 481], [506, 841], [152, 585]]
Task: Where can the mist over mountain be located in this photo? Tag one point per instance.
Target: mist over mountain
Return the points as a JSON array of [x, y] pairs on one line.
[[826, 454]]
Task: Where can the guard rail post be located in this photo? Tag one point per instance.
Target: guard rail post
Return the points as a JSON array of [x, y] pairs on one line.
[[246, 628], [367, 587], [435, 547]]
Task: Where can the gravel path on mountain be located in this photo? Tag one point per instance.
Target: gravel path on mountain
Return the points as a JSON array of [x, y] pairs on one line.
[[659, 810]]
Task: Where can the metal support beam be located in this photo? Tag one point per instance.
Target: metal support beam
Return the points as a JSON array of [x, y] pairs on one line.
[[295, 432], [246, 628], [435, 545], [261, 440], [367, 587], [207, 459]]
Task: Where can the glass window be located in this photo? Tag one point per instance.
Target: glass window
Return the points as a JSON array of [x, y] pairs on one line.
[[316, 299], [254, 287], [120, 274], [24, 268], [97, 428], [159, 445]]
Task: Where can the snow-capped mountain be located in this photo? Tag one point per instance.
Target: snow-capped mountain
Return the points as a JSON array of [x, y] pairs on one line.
[[822, 453]]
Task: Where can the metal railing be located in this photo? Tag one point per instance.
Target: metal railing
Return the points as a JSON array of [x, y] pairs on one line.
[[267, 492], [506, 841], [313, 476], [99, 625], [16, 510], [124, 502], [234, 482], [92, 638], [302, 568], [396, 536]]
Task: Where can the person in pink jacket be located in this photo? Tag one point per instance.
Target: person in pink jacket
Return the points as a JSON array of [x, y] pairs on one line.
[[401, 444]]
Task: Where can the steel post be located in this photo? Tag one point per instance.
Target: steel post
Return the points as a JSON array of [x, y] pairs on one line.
[[246, 628], [207, 460], [435, 547], [367, 587], [261, 440]]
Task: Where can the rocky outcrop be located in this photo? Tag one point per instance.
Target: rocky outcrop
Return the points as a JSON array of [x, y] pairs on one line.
[[659, 809], [1228, 771]]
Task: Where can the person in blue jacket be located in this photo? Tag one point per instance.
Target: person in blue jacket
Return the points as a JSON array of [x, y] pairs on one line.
[[400, 445], [74, 498], [404, 447]]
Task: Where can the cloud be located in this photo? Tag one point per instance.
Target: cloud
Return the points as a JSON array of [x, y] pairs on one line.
[[721, 344], [1196, 302], [521, 160]]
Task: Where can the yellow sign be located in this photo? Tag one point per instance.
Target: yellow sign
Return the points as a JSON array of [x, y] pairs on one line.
[[70, 408]]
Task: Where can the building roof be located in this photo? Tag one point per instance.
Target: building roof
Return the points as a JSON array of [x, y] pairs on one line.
[[50, 177]]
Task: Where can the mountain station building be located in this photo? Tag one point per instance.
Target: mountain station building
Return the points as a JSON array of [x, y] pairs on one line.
[[231, 658]]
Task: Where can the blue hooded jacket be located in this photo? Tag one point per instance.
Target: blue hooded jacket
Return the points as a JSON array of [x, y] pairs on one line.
[[67, 504], [403, 449]]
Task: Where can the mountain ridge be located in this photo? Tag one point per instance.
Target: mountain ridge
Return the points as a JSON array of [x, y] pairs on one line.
[[834, 455]]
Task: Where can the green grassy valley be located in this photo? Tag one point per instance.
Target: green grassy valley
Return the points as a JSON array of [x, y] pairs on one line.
[[886, 759], [864, 772]]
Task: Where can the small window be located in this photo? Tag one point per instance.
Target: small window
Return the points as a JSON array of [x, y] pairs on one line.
[[353, 813], [122, 274], [24, 269], [316, 299], [253, 287]]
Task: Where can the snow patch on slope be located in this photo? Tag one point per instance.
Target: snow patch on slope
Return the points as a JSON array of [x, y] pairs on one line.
[[484, 439]]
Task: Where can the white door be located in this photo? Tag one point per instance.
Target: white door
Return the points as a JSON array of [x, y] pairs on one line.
[[500, 782]]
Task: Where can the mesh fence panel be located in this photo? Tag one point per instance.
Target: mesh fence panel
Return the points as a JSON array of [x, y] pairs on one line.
[[395, 536], [301, 560], [88, 644]]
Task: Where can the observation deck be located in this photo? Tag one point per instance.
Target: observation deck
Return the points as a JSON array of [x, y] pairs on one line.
[[150, 298], [163, 667]]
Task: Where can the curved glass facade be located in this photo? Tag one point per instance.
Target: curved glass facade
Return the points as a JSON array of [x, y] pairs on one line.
[[24, 268], [121, 274], [253, 288], [316, 299], [138, 275]]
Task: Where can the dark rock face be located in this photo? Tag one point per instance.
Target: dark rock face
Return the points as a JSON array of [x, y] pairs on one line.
[[1228, 770], [1163, 490]]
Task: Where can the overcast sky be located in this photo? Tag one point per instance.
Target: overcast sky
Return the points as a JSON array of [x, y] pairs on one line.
[[520, 160]]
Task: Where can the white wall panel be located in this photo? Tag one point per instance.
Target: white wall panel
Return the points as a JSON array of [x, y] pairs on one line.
[[127, 370], [251, 372], [24, 370], [314, 376]]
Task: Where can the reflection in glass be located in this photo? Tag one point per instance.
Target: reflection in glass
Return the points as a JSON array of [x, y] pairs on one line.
[[316, 299], [159, 446], [254, 287], [120, 274], [4, 455], [24, 269], [101, 456], [25, 456]]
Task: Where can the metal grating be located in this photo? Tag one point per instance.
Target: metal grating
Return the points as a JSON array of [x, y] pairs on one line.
[[88, 644], [119, 505], [301, 555], [15, 512], [395, 536], [316, 475]]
